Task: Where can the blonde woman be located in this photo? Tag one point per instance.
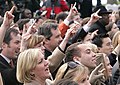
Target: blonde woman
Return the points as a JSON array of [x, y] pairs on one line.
[[116, 39], [74, 72], [32, 68], [36, 41]]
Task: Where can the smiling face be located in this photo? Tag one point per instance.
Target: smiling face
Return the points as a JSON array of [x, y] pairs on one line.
[[12, 49], [88, 57], [41, 70], [108, 67]]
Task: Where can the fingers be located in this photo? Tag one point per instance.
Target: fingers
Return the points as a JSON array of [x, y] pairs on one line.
[[96, 14], [24, 29], [95, 32], [99, 76], [74, 26], [30, 28], [97, 11], [9, 14], [98, 67], [12, 9], [27, 37], [76, 22], [73, 8], [74, 5], [101, 71], [114, 12]]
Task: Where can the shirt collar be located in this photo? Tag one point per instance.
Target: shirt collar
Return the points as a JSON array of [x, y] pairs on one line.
[[7, 59]]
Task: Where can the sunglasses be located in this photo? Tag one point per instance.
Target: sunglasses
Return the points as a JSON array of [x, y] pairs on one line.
[[70, 65]]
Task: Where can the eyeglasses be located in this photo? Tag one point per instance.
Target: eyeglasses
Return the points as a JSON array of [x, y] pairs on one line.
[[70, 65]]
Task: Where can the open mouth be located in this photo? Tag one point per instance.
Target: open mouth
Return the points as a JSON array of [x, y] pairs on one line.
[[47, 69], [94, 60]]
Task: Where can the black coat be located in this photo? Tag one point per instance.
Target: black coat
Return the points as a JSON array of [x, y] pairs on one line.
[[8, 73], [98, 26]]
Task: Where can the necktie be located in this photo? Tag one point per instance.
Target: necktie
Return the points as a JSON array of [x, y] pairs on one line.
[[11, 64]]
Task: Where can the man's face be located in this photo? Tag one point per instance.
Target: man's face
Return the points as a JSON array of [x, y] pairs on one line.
[[27, 14], [107, 46], [55, 39], [87, 56], [12, 49]]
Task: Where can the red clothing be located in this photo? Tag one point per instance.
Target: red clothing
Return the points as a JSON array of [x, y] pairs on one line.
[[63, 28], [59, 7]]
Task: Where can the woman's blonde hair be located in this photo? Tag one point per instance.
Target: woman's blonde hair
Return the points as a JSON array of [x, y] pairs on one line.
[[27, 61], [72, 73], [34, 40], [115, 39]]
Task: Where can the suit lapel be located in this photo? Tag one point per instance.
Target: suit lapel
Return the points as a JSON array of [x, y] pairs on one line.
[[3, 63]]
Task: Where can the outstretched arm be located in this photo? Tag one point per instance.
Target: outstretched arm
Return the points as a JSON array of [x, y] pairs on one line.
[[58, 54], [8, 18]]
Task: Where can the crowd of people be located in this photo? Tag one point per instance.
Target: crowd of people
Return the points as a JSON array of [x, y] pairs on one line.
[[56, 42]]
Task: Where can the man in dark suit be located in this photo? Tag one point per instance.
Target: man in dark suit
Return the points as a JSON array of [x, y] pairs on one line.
[[10, 47], [102, 22], [10, 44]]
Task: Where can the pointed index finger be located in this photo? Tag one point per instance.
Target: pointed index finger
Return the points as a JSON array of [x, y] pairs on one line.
[[24, 29], [12, 9], [74, 5], [97, 11]]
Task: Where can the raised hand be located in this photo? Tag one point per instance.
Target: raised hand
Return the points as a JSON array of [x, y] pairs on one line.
[[113, 17], [73, 11], [8, 17], [94, 34], [96, 74], [26, 35], [95, 17], [70, 32]]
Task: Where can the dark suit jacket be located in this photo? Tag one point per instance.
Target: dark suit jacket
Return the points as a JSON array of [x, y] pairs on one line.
[[98, 26], [80, 35], [112, 57], [8, 73]]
